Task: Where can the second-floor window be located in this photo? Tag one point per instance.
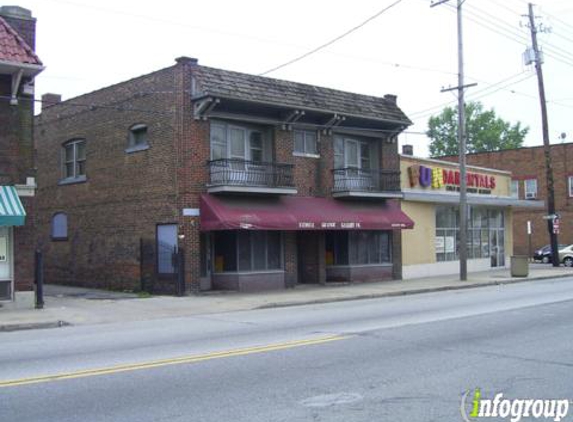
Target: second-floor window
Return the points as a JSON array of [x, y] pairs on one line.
[[352, 153], [514, 189], [530, 187], [237, 142], [305, 142], [74, 160], [570, 186], [137, 138]]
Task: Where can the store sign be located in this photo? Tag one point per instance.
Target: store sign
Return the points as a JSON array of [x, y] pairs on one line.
[[449, 179], [3, 249]]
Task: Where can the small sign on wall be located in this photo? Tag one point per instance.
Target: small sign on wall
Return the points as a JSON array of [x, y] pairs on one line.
[[3, 248]]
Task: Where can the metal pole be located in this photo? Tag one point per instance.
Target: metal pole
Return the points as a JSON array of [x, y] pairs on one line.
[[39, 280], [463, 246], [546, 146], [180, 259]]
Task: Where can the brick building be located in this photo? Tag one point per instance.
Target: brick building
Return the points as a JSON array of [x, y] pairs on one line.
[[18, 67], [262, 183], [529, 181]]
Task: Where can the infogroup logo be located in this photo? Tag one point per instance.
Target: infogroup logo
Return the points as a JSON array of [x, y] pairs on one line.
[[477, 408]]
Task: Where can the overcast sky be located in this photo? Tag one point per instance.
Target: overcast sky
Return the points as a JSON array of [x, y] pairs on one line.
[[409, 51]]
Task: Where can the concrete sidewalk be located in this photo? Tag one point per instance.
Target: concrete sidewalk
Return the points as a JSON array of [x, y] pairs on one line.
[[79, 306]]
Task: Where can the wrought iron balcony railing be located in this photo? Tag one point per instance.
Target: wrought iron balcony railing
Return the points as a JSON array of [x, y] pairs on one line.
[[237, 172], [359, 180]]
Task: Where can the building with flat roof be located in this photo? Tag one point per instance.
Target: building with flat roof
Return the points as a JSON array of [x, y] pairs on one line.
[[431, 198], [529, 182]]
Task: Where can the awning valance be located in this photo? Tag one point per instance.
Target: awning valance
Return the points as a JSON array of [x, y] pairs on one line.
[[299, 213], [11, 210]]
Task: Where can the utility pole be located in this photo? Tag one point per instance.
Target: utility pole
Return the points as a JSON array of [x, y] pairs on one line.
[[546, 147], [463, 243]]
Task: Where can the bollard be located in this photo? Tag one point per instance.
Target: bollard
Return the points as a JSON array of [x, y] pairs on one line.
[[39, 270]]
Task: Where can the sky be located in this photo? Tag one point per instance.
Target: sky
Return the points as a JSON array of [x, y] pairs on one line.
[[409, 50]]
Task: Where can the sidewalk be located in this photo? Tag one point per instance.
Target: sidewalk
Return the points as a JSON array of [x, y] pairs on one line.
[[79, 306]]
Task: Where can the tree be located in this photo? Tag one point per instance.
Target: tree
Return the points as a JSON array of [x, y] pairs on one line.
[[485, 131]]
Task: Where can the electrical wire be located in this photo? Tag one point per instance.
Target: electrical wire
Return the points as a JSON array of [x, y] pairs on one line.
[[92, 107], [332, 41]]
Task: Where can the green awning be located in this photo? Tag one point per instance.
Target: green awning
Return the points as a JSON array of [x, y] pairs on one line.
[[11, 210]]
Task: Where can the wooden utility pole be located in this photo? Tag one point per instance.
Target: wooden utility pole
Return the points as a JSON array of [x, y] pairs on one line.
[[463, 243], [551, 214]]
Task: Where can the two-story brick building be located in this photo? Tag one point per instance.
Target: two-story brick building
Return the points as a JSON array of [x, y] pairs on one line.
[[18, 67], [263, 183], [529, 181]]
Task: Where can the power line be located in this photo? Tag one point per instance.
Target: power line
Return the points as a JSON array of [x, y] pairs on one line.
[[429, 111], [338, 38], [92, 107], [550, 50]]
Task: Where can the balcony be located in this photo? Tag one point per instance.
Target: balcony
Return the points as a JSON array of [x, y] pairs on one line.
[[233, 175], [353, 182]]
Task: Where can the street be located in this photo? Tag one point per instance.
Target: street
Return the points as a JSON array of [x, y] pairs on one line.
[[408, 358]]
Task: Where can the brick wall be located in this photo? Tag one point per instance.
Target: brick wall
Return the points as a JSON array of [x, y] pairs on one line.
[[125, 195], [530, 163], [16, 145], [16, 164]]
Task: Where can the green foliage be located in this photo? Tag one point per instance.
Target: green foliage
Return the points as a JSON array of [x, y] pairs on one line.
[[485, 131]]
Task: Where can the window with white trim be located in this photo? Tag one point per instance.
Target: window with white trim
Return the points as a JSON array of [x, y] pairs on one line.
[[238, 141], [570, 185], [74, 160], [530, 187], [305, 142]]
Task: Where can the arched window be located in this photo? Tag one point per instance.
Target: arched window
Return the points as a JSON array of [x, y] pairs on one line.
[[60, 226]]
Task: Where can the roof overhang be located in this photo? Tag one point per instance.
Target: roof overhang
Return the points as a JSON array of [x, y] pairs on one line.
[[473, 199], [331, 118], [17, 72], [28, 70]]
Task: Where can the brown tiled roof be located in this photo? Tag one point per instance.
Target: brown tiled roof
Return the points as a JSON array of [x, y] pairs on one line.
[[13, 48], [241, 86]]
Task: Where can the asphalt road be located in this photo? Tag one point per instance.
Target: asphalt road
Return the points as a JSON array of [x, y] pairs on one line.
[[406, 358]]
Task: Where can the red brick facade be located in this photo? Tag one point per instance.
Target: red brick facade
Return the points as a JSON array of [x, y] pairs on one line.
[[16, 139], [529, 163], [125, 195]]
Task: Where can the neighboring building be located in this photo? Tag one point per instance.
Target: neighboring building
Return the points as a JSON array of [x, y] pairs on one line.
[[529, 181], [18, 67], [263, 183], [431, 199]]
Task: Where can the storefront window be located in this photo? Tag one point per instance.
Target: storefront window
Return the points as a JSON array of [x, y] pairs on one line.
[[484, 227], [358, 248], [225, 251], [253, 250]]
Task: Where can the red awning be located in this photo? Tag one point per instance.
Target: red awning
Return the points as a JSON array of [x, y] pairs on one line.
[[299, 213]]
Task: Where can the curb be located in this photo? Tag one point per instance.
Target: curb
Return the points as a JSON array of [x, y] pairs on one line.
[[33, 326], [408, 292]]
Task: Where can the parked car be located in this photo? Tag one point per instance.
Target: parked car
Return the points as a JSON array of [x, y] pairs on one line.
[[566, 256], [544, 254]]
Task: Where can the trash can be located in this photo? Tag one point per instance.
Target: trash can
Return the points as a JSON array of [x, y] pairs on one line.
[[519, 266]]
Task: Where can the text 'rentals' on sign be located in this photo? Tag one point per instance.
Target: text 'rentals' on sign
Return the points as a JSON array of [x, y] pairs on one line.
[[436, 178]]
